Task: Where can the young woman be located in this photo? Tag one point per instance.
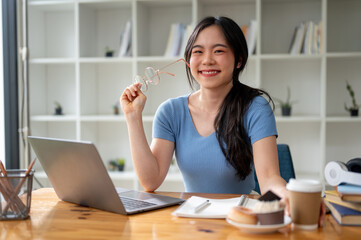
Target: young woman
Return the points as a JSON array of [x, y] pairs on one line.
[[220, 133]]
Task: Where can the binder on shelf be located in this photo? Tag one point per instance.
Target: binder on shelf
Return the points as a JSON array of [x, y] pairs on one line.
[[126, 41], [187, 33], [251, 36], [174, 40], [297, 42], [307, 42]]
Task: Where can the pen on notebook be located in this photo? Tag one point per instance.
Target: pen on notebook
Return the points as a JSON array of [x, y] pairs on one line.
[[202, 206], [242, 201]]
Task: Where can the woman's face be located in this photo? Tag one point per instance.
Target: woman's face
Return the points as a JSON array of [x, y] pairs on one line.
[[212, 59]]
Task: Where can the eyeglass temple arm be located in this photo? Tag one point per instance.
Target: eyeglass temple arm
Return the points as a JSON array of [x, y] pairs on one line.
[[174, 63], [172, 74]]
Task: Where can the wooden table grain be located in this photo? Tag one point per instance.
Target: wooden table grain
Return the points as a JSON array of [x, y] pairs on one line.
[[51, 218]]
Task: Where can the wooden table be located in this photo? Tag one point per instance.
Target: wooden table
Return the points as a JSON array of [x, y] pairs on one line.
[[51, 218]]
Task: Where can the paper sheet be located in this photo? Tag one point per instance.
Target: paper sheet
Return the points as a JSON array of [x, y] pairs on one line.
[[218, 208]]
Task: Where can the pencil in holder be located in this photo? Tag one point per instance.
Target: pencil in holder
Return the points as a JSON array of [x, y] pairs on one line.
[[15, 194]]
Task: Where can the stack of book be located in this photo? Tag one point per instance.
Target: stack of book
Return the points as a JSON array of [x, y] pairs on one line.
[[177, 39], [345, 204], [250, 33], [307, 39], [126, 40]]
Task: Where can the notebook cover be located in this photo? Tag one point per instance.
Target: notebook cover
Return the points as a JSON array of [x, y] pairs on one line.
[[343, 215]]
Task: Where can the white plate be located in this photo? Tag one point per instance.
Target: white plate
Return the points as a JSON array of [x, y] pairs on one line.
[[257, 228]]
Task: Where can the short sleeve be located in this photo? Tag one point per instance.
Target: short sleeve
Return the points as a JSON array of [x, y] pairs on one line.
[[259, 120], [163, 125]]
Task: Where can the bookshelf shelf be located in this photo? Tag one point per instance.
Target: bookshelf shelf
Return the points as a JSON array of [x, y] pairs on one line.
[[344, 55], [106, 60], [52, 118], [67, 41], [110, 118], [52, 60], [343, 119], [290, 57], [298, 119]]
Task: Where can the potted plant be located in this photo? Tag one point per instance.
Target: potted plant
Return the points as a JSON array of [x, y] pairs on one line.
[[116, 108], [354, 108], [116, 164], [108, 52], [286, 106], [120, 164], [58, 108], [173, 166], [112, 165]]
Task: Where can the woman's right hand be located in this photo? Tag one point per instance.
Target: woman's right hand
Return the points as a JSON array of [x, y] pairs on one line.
[[133, 99]]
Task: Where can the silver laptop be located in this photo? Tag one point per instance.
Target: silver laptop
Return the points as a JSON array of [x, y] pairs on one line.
[[78, 175]]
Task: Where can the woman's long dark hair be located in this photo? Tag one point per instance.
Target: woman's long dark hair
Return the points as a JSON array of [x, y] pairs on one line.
[[229, 122]]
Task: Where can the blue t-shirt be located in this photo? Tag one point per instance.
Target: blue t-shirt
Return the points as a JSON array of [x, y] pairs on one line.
[[200, 159]]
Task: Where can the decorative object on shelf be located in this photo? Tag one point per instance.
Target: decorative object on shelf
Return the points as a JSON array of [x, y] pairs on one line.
[[126, 41], [117, 164], [354, 108], [173, 166], [121, 164], [108, 52], [58, 108], [286, 106], [116, 108]]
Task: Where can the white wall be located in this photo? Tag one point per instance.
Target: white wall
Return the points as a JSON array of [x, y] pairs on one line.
[[2, 122]]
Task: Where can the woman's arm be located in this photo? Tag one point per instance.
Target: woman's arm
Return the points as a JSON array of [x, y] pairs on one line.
[[265, 159], [151, 163], [267, 168]]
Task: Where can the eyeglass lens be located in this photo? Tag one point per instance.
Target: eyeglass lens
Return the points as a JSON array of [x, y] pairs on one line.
[[139, 79], [151, 76]]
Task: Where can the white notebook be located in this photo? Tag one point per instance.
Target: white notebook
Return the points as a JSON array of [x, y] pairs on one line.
[[218, 208]]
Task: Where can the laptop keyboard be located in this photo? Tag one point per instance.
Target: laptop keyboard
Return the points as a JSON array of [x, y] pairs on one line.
[[131, 204]]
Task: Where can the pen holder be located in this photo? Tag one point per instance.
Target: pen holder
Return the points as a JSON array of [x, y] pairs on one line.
[[15, 194]]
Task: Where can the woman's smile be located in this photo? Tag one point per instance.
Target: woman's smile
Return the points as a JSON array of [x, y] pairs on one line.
[[209, 72]]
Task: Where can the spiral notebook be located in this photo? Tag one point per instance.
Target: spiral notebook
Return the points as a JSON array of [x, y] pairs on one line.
[[218, 208]]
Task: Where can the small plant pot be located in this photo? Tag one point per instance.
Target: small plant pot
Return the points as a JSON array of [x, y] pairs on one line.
[[121, 168], [109, 54], [116, 111], [58, 111], [354, 112], [286, 111]]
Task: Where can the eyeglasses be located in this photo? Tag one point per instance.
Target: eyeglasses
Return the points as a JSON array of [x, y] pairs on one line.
[[151, 76]]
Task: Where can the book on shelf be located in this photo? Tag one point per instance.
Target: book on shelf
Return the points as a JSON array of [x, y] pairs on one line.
[[307, 42], [334, 197], [297, 39], [306, 39], [186, 34], [344, 215], [126, 41], [251, 36], [175, 37]]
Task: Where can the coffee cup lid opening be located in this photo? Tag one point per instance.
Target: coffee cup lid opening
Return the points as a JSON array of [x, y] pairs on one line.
[[304, 185]]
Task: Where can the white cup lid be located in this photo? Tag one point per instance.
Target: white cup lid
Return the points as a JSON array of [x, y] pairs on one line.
[[304, 185]]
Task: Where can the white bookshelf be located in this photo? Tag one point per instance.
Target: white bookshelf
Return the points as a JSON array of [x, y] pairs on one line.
[[67, 40]]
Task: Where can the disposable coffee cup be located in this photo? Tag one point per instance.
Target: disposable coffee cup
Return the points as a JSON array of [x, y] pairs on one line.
[[305, 203]]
